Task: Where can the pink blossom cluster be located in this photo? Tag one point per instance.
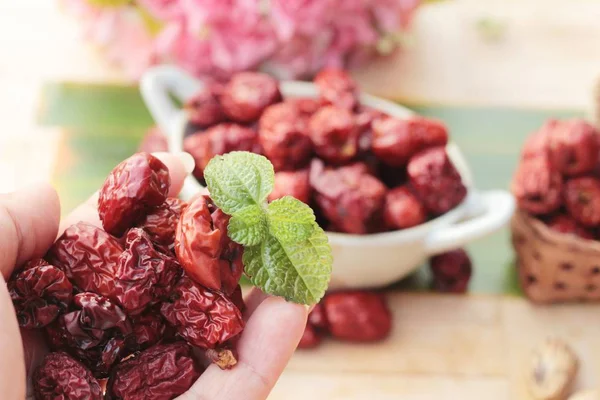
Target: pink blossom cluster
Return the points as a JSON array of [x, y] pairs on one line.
[[291, 38]]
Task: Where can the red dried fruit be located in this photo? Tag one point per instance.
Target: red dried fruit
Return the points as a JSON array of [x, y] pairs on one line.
[[310, 338], [88, 256], [218, 140], [202, 317], [435, 180], [61, 377], [582, 200], [238, 299], [154, 140], [403, 209], [144, 275], [295, 184], [283, 134], [358, 316], [395, 140], [133, 187], [147, 330], [204, 109], [536, 143], [318, 319], [537, 186], [350, 198], [247, 94], [39, 292], [337, 87], [565, 224], [573, 147], [306, 105], [451, 271], [231, 265], [334, 134], [161, 372], [160, 223]]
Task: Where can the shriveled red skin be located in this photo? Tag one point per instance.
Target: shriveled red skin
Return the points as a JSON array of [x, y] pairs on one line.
[[204, 109], [537, 186], [39, 292], [237, 298], [283, 135], [247, 94], [403, 209], [536, 143], [435, 180], [161, 372], [88, 256], [334, 134], [565, 224], [318, 319], [154, 140], [217, 140], [161, 222], [310, 338], [292, 183], [573, 147], [133, 187], [358, 316], [336, 87], [62, 377], [349, 197], [144, 275], [306, 105], [198, 244], [396, 140], [204, 318], [582, 200], [451, 271], [230, 260], [147, 330]]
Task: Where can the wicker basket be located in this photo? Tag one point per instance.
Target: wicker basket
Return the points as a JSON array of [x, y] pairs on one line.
[[553, 266]]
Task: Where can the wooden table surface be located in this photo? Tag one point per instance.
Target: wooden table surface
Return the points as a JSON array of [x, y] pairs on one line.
[[534, 53]]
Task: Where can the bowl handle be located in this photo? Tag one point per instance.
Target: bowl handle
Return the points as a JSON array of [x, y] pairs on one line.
[[486, 212], [157, 86]]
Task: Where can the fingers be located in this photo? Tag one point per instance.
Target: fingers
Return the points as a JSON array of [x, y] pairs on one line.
[[28, 225], [12, 368], [266, 345]]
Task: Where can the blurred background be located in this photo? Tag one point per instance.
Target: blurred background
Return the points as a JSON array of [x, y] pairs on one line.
[[492, 70]]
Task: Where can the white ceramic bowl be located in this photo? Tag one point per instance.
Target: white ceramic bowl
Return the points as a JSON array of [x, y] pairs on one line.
[[360, 261]]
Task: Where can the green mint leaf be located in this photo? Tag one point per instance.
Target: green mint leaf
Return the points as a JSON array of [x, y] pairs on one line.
[[239, 179], [248, 226], [290, 220], [297, 271]]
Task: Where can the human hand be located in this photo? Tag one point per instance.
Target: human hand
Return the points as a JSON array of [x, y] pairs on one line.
[[29, 224]]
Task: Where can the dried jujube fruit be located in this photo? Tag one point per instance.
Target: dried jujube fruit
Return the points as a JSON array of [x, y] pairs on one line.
[[403, 209], [60, 376], [582, 200], [537, 186], [231, 266], [310, 338], [202, 317], [292, 183], [162, 372], [203, 109], [573, 147], [536, 143], [565, 224], [247, 94], [334, 134], [318, 318], [39, 292], [133, 187], [336, 87], [161, 222], [147, 330], [89, 257], [451, 271], [436, 181]]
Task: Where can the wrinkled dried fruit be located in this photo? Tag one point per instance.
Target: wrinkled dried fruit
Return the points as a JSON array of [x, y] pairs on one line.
[[133, 187], [160, 223], [451, 271], [202, 317], [154, 140], [283, 134], [537, 186], [536, 143], [337, 87], [552, 370], [403, 209], [39, 292], [565, 224], [573, 147], [61, 377], [334, 134], [310, 338], [306, 105], [238, 299], [204, 109], [295, 184], [231, 265], [436, 181], [161, 372], [396, 140], [144, 275], [349, 197], [147, 330], [247, 94], [88, 256], [358, 316], [582, 200], [217, 140]]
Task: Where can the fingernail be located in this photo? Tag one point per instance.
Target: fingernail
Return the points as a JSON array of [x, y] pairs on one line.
[[187, 160]]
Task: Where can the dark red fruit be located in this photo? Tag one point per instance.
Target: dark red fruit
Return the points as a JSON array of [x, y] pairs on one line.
[[565, 224], [310, 338], [582, 200], [204, 109], [231, 265], [336, 87], [403, 209], [334, 134], [295, 184], [147, 330], [537, 186], [160, 224], [318, 319], [247, 94], [451, 271], [573, 147]]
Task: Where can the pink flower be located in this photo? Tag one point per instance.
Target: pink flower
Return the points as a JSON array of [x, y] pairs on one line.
[[208, 12], [304, 17], [163, 9], [175, 43]]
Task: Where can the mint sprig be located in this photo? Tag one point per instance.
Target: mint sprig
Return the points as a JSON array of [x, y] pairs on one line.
[[285, 252]]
